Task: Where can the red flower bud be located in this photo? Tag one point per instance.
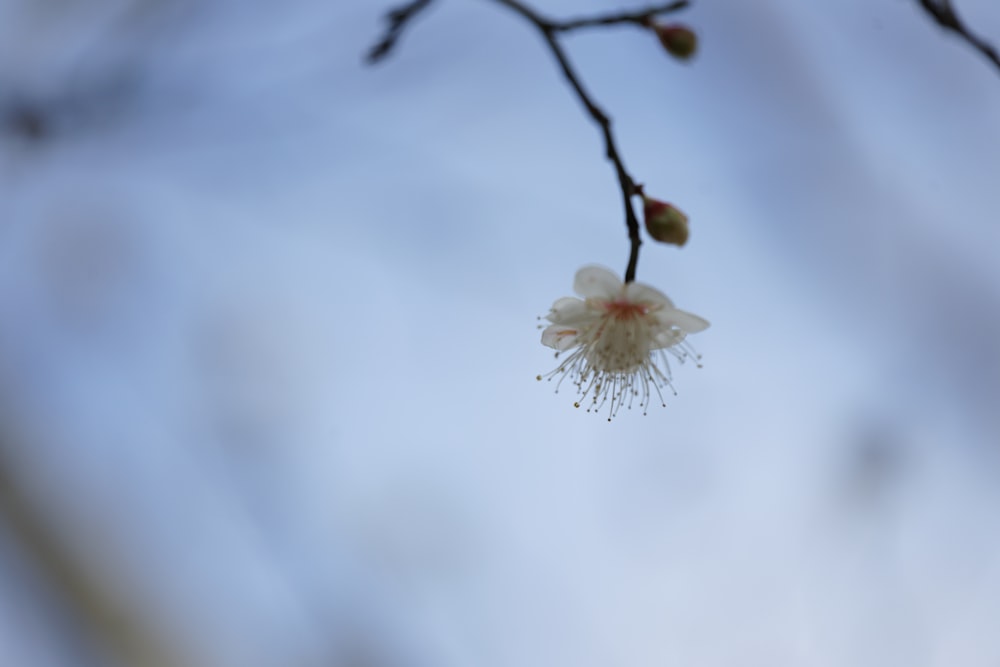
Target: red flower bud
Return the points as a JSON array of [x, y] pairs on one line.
[[664, 222], [680, 41]]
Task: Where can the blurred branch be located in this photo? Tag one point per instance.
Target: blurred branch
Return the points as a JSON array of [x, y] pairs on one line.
[[945, 15], [95, 102], [102, 612], [549, 29], [397, 18]]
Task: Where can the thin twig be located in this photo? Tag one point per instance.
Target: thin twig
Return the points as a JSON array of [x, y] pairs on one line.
[[549, 28], [397, 18], [945, 15], [641, 18]]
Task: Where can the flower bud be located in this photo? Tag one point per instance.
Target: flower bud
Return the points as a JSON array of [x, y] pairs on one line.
[[680, 41], [664, 222]]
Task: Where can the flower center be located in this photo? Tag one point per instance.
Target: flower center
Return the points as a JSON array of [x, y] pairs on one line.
[[620, 341], [624, 310]]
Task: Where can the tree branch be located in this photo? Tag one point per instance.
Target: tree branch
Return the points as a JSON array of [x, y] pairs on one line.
[[397, 19], [549, 28], [945, 15], [641, 18]]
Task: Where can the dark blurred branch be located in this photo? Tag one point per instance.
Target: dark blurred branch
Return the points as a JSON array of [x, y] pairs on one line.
[[397, 19], [95, 102], [945, 15], [641, 18]]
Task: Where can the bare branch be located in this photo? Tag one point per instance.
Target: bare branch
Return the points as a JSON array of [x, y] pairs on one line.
[[641, 18], [945, 15], [397, 19], [549, 28]]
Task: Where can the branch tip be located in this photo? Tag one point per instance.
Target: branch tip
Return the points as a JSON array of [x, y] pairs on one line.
[[397, 19], [944, 14]]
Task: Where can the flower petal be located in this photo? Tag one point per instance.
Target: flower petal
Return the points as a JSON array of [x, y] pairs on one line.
[[597, 282], [559, 337], [640, 293], [683, 320], [570, 311], [667, 338]]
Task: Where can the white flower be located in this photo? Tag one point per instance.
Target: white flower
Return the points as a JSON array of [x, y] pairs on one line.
[[620, 335]]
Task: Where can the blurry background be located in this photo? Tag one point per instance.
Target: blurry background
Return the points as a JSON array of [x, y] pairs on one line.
[[268, 345]]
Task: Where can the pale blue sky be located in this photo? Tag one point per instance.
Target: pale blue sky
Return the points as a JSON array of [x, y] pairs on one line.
[[268, 324]]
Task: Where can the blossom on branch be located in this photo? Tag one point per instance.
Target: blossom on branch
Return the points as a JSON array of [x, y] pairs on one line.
[[618, 337]]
